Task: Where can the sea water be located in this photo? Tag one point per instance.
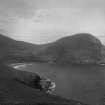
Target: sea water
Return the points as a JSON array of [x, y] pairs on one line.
[[85, 83]]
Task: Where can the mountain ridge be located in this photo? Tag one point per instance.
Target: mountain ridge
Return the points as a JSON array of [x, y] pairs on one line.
[[82, 48], [79, 48]]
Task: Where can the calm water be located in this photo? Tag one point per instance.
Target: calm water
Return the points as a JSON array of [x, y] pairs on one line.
[[85, 83]]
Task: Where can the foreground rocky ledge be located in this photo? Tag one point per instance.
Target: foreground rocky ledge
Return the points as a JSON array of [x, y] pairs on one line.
[[15, 93]]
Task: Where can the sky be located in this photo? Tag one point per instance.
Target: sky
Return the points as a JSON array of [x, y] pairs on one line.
[[43, 21]]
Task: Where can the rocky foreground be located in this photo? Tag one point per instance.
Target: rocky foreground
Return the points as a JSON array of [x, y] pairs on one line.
[[14, 92]]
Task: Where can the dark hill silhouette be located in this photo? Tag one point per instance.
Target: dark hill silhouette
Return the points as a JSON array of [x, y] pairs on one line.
[[16, 50], [79, 48]]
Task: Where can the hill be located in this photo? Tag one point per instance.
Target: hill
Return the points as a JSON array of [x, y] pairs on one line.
[[15, 93], [16, 51], [81, 48]]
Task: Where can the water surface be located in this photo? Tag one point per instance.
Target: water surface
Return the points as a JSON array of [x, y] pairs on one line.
[[85, 83]]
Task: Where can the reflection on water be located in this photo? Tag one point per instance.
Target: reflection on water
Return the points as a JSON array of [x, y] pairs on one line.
[[80, 82]]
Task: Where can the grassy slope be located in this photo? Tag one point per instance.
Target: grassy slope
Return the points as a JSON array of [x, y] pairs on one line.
[[14, 92]]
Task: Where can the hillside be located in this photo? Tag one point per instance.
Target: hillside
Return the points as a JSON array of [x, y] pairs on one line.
[[12, 50], [15, 93], [80, 48]]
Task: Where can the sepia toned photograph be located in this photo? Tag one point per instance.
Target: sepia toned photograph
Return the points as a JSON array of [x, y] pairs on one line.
[[52, 52]]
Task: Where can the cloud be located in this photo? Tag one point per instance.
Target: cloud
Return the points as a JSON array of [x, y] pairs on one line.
[[40, 21], [15, 7], [28, 7], [51, 24]]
